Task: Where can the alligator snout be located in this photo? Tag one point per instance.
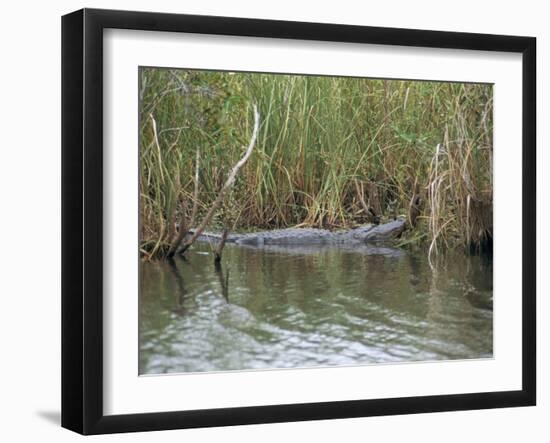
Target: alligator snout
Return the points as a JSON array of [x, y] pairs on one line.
[[385, 233]]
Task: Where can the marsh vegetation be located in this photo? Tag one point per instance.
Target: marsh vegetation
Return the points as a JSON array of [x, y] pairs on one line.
[[330, 152]]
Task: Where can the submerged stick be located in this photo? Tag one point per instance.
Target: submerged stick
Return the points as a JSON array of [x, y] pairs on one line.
[[221, 244], [228, 184]]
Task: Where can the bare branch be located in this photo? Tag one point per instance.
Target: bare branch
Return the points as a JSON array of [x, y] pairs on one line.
[[228, 184], [156, 138]]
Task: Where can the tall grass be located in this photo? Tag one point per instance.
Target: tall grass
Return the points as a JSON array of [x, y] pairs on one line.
[[325, 144]]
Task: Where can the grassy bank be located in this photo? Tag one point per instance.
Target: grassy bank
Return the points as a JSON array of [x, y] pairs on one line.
[[331, 152]]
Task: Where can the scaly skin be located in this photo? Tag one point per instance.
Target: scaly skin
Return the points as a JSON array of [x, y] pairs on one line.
[[368, 234]]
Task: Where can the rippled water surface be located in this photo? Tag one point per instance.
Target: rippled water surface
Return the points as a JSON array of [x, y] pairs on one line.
[[286, 308]]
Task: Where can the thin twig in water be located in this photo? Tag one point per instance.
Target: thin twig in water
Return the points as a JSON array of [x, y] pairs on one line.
[[221, 244]]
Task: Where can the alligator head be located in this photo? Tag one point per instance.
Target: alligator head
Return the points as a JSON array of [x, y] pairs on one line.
[[378, 234]]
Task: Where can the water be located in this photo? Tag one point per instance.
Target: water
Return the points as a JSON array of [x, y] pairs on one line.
[[288, 308]]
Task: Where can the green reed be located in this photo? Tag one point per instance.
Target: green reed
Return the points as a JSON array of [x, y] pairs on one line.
[[324, 143]]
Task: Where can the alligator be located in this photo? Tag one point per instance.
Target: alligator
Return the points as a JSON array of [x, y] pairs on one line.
[[363, 235]]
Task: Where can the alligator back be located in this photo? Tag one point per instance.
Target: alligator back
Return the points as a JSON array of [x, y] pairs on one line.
[[312, 236]]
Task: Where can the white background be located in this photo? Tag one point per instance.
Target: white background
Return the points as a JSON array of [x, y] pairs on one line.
[[30, 220]]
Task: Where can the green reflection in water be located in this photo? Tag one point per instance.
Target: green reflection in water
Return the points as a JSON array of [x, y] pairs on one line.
[[311, 307]]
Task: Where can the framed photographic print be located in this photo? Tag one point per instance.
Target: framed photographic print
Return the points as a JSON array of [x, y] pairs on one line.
[[269, 221]]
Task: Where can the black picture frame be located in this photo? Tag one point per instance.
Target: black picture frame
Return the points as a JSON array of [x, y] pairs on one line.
[[82, 218]]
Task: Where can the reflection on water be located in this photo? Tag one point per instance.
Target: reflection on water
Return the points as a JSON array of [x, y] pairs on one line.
[[284, 308]]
